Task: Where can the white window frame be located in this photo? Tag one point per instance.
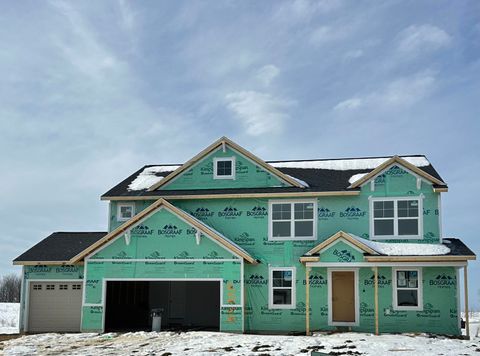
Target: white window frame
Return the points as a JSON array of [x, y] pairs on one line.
[[224, 159], [395, 218], [292, 220], [122, 205], [419, 288], [293, 303]]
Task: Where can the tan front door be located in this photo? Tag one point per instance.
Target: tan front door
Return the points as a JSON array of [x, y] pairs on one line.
[[343, 296]]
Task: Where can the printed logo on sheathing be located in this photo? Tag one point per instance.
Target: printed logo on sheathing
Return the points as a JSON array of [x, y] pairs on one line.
[[395, 171], [122, 255], [257, 212], [230, 212], [265, 310], [142, 230], [213, 255], [300, 309], [267, 242], [39, 269], [184, 255], [202, 213], [240, 167], [429, 236], [155, 255], [390, 313], [316, 280], [366, 310], [244, 239], [170, 230], [324, 310], [429, 312], [353, 213], [96, 310], [453, 313], [382, 281], [66, 269], [443, 281], [427, 212], [207, 169], [380, 180], [92, 283], [344, 255], [325, 213], [256, 280]]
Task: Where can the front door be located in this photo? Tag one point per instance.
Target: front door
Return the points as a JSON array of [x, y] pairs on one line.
[[343, 297]]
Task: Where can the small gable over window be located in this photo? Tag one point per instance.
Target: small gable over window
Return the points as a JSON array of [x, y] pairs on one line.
[[224, 168]]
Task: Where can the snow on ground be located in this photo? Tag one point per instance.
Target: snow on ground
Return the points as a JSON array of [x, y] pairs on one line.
[[9, 318], [213, 344]]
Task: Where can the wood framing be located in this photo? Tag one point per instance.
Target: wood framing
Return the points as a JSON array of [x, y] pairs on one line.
[[341, 235], [400, 161], [433, 258], [236, 195], [176, 211], [440, 190], [375, 270], [222, 142], [307, 301], [305, 259]]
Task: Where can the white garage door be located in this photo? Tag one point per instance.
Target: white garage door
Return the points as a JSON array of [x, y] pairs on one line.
[[54, 306]]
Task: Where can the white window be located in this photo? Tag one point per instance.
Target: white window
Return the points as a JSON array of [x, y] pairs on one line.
[[292, 220], [224, 168], [281, 288], [407, 289], [125, 211], [396, 218]]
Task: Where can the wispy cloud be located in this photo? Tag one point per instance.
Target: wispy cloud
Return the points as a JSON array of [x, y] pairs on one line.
[[402, 92], [259, 113], [299, 11], [267, 74], [420, 38]]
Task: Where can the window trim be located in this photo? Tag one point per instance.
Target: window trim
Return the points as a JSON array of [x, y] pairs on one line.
[[395, 235], [419, 288], [224, 159], [292, 219], [121, 205], [293, 303]]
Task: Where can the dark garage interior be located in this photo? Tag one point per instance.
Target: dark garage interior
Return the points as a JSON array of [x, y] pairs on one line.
[[189, 305]]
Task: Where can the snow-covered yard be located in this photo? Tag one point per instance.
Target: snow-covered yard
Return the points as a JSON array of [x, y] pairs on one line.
[[9, 318], [209, 343]]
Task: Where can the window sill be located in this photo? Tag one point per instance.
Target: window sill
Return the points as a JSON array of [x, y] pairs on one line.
[[400, 237], [280, 307], [407, 308], [292, 238]]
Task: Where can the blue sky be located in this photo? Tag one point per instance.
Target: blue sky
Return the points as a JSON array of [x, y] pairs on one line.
[[91, 91]]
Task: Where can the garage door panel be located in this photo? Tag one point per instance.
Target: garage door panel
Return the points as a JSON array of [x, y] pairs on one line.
[[54, 306]]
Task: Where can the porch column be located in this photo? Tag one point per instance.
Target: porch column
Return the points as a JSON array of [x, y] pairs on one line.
[[375, 270], [307, 301], [467, 319]]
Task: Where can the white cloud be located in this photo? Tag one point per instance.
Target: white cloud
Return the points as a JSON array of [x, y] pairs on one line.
[[267, 74], [353, 54], [326, 34], [402, 92], [415, 39], [260, 113]]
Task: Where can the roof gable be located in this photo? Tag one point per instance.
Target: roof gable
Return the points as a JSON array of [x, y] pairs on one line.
[[251, 171], [360, 179], [332, 240], [146, 213]]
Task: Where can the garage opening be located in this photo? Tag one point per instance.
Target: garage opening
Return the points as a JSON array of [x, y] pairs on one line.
[[189, 305]]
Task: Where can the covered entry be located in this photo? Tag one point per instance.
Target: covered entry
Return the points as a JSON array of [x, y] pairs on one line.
[[54, 306], [186, 305]]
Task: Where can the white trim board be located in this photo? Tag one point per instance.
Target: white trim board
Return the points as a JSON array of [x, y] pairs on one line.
[[293, 303], [232, 159], [357, 297], [386, 264]]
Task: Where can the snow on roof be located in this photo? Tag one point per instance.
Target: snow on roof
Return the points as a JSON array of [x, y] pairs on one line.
[[356, 177], [149, 176], [348, 164], [305, 184], [404, 249]]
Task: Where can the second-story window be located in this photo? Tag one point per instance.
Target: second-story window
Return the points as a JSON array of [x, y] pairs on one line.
[[125, 211], [292, 220], [224, 168], [396, 217]]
